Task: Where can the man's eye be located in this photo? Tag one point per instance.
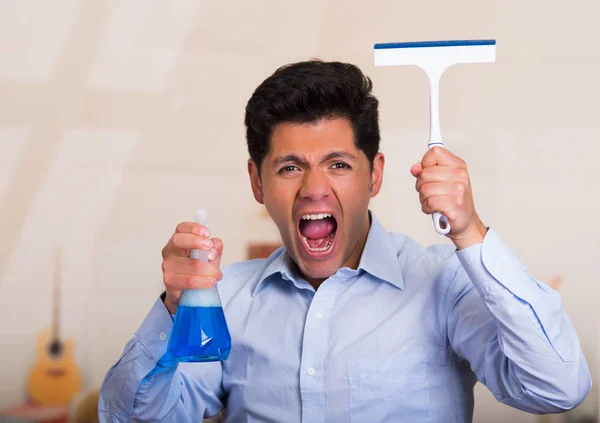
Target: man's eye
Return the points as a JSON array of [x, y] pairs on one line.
[[340, 165], [288, 169]]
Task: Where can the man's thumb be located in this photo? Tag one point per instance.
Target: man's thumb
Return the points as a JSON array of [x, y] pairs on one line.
[[416, 169], [218, 246]]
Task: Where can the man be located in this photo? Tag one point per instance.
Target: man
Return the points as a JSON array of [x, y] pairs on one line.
[[348, 322]]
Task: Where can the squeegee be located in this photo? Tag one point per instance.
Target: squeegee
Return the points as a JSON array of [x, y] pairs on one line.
[[434, 57]]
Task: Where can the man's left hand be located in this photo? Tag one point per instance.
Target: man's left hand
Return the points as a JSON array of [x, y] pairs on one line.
[[444, 186]]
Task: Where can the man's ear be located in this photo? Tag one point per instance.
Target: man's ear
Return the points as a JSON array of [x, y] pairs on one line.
[[377, 174], [255, 181]]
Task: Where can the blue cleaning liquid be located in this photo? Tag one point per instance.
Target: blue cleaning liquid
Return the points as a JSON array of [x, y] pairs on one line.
[[199, 334]]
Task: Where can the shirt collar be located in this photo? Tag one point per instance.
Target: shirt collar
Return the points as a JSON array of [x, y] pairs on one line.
[[379, 258], [279, 263]]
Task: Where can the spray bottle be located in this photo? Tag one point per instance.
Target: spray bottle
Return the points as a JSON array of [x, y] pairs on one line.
[[200, 331]]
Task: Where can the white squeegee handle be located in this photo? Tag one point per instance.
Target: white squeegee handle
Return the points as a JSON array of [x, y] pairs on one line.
[[440, 222]]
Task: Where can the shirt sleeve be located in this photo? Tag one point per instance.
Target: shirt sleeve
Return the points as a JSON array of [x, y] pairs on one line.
[[513, 331], [144, 386]]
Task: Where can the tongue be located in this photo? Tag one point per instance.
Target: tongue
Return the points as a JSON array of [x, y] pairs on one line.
[[317, 229]]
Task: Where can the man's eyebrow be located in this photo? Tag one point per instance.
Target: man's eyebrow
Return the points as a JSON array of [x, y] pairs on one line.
[[293, 158], [338, 155], [287, 158]]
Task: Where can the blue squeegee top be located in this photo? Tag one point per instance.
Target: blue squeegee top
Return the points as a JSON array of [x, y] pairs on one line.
[[447, 43]]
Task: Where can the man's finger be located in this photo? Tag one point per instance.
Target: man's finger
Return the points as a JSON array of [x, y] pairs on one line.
[[440, 203], [189, 241], [191, 267], [441, 156], [192, 228], [216, 252], [440, 189], [177, 282], [442, 174]]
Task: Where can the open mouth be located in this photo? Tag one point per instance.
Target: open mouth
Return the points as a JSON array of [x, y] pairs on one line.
[[317, 232]]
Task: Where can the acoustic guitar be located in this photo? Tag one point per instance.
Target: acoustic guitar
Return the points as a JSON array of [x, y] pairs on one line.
[[55, 378]]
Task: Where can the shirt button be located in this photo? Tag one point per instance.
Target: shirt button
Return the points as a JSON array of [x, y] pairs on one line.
[[162, 336], [318, 315], [310, 371]]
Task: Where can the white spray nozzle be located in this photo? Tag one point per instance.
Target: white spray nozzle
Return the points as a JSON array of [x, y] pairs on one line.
[[202, 217]]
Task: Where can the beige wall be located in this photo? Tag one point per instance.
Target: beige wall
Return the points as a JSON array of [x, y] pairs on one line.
[[119, 119]]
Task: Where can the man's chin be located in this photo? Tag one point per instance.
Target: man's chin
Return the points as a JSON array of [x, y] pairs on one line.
[[315, 269]]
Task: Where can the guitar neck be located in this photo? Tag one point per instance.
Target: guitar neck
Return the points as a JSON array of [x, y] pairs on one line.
[[56, 293]]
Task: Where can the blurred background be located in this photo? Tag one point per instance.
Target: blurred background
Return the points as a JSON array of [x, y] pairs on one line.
[[118, 119]]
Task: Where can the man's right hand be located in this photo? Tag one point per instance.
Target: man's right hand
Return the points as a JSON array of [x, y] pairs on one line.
[[181, 272]]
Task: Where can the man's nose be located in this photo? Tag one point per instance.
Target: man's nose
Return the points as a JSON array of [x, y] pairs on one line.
[[315, 185]]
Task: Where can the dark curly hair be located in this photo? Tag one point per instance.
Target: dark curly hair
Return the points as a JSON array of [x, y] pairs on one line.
[[306, 92]]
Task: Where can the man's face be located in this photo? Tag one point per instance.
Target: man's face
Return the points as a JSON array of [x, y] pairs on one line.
[[316, 185]]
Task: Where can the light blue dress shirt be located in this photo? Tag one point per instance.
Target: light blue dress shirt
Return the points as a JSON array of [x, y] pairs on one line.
[[403, 338]]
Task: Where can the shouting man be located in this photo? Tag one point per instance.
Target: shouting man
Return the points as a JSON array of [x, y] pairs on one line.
[[348, 322]]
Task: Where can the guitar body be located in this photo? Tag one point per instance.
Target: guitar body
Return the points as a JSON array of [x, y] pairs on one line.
[[55, 378]]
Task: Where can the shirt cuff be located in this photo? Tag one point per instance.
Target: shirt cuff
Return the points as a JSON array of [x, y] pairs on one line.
[[492, 266], [155, 330], [162, 297]]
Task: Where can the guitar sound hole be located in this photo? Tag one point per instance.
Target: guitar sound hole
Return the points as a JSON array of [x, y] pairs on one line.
[[56, 372], [55, 348]]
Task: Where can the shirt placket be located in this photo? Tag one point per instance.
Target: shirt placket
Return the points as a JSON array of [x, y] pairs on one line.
[[314, 345]]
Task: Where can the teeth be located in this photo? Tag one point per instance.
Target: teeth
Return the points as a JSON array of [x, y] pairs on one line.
[[325, 248], [315, 216]]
